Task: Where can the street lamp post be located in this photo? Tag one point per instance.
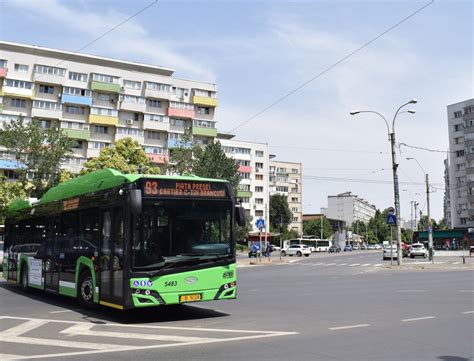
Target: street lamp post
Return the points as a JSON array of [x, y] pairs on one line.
[[391, 137], [430, 226]]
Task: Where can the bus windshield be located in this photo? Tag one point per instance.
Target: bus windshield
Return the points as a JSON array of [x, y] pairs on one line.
[[173, 231]]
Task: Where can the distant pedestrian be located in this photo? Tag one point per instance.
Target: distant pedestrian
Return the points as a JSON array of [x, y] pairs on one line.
[[269, 250]]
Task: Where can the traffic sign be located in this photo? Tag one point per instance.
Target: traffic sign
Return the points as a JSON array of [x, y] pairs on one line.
[[260, 223], [391, 219], [391, 210]]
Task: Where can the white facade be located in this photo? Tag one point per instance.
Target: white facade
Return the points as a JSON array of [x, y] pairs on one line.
[[253, 159], [460, 176], [286, 179], [99, 100], [349, 208]]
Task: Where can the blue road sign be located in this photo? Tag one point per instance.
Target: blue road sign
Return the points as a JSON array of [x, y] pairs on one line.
[[260, 223], [391, 219]]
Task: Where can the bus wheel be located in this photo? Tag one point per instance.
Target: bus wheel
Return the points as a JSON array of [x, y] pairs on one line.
[[24, 278], [85, 292]]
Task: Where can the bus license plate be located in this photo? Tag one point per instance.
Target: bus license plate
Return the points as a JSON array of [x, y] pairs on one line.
[[190, 298]]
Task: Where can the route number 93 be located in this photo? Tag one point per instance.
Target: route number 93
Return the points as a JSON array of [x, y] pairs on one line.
[[171, 283]]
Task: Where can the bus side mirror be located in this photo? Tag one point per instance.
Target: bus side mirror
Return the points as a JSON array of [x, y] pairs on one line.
[[135, 201], [240, 216]]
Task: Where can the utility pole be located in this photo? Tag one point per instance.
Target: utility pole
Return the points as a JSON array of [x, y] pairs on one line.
[[321, 226], [397, 199], [411, 210], [430, 226], [416, 205]]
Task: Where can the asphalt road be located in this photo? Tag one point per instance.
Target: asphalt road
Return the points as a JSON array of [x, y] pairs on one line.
[[325, 307]]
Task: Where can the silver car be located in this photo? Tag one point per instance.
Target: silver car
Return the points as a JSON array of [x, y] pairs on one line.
[[390, 252], [296, 250], [418, 249]]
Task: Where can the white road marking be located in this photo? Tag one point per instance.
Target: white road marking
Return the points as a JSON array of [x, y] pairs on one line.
[[418, 318], [342, 264], [378, 264], [410, 291], [467, 312], [348, 327], [330, 264], [354, 264], [457, 263], [366, 264], [5, 356], [467, 291], [62, 311], [98, 348]]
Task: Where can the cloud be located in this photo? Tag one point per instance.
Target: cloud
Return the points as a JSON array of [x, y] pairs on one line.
[[130, 41]]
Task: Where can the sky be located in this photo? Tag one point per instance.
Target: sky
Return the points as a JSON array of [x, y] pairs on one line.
[[260, 51]]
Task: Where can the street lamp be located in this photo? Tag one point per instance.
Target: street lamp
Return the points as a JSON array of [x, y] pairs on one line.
[[430, 226], [391, 137]]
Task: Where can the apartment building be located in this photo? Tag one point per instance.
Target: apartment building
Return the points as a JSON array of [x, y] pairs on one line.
[[349, 207], [99, 100], [446, 199], [460, 176], [253, 160], [286, 179]]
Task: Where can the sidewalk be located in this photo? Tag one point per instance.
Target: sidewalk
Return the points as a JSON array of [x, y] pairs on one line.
[[243, 260], [440, 263]]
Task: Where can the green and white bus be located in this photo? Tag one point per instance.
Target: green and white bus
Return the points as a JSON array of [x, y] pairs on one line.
[[126, 240]]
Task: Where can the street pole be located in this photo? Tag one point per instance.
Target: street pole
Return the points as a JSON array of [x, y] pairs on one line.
[[321, 227], [411, 216], [391, 248], [397, 199], [281, 234], [430, 226], [415, 228]]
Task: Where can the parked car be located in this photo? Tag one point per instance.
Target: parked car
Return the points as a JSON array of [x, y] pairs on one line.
[[371, 247], [254, 251], [390, 252], [378, 246], [355, 247], [275, 248], [334, 249], [363, 246], [347, 248], [418, 249], [471, 250], [296, 250], [1, 254]]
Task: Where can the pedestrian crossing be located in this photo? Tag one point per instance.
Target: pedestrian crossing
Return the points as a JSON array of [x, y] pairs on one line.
[[324, 264], [47, 338]]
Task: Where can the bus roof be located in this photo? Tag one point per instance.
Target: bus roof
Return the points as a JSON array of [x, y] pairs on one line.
[[93, 182]]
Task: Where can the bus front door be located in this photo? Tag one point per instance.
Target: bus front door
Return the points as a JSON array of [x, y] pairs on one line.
[[111, 257]]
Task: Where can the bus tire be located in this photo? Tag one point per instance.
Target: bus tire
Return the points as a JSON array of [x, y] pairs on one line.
[[24, 277], [85, 290], [299, 254]]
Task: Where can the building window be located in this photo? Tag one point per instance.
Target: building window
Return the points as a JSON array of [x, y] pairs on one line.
[[179, 105], [458, 127], [154, 150], [236, 150], [10, 174], [259, 177], [244, 199], [258, 200], [157, 86], [104, 111], [130, 131], [18, 103], [258, 213], [46, 89], [204, 93], [77, 91], [21, 68], [105, 78], [39, 104], [203, 110], [294, 219], [245, 163], [154, 103], [75, 110], [130, 84], [244, 175], [77, 76], [259, 153], [74, 125], [45, 123], [460, 153], [460, 166], [98, 145], [203, 124], [458, 114], [178, 122], [258, 189], [463, 220], [153, 135], [294, 170], [78, 144], [294, 199], [156, 118], [282, 189], [294, 209], [18, 84], [244, 187], [101, 129], [459, 140], [258, 165], [3, 63], [133, 99], [51, 70]]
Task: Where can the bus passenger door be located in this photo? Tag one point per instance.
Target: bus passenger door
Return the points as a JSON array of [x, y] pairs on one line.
[[51, 257], [112, 256]]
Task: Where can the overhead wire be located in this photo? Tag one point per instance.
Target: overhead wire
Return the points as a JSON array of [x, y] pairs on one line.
[[331, 66]]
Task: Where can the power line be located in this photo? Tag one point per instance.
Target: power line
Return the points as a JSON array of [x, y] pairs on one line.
[[101, 36], [329, 149], [331, 66], [422, 148]]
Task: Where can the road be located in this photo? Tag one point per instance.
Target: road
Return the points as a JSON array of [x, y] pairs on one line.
[[324, 307]]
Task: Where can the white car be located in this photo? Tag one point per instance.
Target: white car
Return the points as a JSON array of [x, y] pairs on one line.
[[418, 249], [1, 255], [296, 250], [390, 252]]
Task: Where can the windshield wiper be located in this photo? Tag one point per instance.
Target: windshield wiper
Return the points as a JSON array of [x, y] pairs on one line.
[[169, 265]]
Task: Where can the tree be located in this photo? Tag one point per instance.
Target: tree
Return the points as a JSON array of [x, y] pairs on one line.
[[126, 155], [442, 224], [423, 223], [38, 151], [313, 228], [213, 163], [182, 159], [280, 214], [9, 191]]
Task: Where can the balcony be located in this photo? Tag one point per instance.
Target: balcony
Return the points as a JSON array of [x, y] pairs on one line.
[[210, 102], [244, 194], [175, 143], [159, 94], [49, 78], [46, 113], [139, 138], [17, 92], [76, 99], [3, 72], [155, 125], [158, 158], [103, 119], [133, 107], [105, 87], [77, 133], [207, 132], [182, 113], [245, 169]]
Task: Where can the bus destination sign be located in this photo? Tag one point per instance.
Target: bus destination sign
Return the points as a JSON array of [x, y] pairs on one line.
[[181, 188]]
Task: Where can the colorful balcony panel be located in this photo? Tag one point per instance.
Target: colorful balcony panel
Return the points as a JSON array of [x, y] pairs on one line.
[[3, 72], [245, 169], [77, 133], [102, 119], [182, 113], [244, 194], [106, 87], [211, 102], [158, 158], [76, 99], [207, 132]]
